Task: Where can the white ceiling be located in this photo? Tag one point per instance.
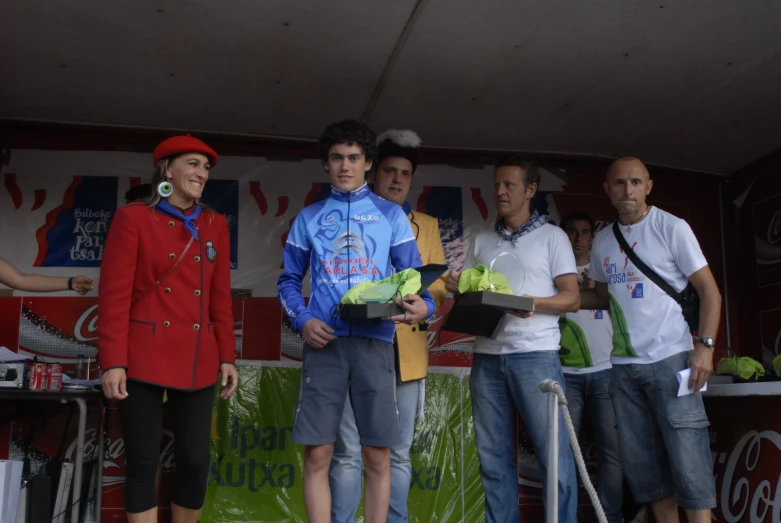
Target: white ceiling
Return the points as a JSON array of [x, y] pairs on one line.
[[694, 84]]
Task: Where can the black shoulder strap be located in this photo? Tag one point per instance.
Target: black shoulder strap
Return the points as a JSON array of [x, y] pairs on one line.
[[645, 269]]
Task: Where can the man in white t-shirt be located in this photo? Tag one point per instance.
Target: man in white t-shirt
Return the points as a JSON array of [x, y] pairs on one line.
[[507, 371], [586, 343], [663, 437]]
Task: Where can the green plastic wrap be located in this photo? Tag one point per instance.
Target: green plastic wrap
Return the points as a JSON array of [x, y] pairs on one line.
[[398, 285], [481, 278], [744, 367], [256, 469], [437, 453], [474, 495]]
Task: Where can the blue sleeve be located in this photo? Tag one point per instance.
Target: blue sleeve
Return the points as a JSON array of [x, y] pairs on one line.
[[404, 253], [296, 264]]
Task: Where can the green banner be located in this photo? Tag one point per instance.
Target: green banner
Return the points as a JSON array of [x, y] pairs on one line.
[[256, 469], [443, 454]]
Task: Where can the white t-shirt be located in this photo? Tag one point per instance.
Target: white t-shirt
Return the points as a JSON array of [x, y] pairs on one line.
[[586, 339], [544, 254], [648, 325]]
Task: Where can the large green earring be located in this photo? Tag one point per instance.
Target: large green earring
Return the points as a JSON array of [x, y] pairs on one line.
[[165, 189]]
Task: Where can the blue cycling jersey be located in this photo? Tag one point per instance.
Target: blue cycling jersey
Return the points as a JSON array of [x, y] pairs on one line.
[[344, 240]]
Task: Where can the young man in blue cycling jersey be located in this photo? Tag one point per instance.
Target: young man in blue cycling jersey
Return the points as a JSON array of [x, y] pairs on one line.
[[350, 237]]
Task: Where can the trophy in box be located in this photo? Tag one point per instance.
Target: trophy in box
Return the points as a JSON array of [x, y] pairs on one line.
[[381, 307], [479, 313]]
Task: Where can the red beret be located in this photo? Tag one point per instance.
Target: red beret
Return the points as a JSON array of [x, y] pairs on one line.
[[184, 144]]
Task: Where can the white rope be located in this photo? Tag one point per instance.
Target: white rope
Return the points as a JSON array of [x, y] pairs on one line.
[[551, 386]]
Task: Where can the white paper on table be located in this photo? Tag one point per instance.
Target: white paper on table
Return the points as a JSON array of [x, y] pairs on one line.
[[8, 356], [683, 383]]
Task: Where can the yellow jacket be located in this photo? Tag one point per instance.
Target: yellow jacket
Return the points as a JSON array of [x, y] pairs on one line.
[[412, 341]]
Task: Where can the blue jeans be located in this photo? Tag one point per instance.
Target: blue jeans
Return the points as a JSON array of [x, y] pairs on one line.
[[500, 386], [346, 464], [663, 437], [590, 393]]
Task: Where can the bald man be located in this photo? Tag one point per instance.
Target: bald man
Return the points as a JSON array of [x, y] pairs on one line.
[[663, 437]]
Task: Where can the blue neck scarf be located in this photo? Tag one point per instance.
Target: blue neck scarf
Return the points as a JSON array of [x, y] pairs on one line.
[[407, 208], [534, 221], [188, 219]]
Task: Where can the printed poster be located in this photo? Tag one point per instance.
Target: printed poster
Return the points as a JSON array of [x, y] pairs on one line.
[[74, 234]]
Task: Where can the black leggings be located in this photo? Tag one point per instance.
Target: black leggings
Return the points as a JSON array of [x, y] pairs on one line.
[[141, 416]]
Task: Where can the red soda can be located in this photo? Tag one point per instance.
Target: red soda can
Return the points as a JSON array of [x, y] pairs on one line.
[[55, 377], [38, 379]]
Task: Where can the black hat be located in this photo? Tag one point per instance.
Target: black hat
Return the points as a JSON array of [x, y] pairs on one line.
[[400, 143]]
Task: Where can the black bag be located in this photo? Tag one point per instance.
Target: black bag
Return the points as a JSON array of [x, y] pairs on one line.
[[688, 298]]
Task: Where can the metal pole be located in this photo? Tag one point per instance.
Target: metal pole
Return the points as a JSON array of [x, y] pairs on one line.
[[99, 463], [79, 459], [552, 495], [725, 282]]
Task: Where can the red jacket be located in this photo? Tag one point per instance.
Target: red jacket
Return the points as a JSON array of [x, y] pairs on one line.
[[181, 329]]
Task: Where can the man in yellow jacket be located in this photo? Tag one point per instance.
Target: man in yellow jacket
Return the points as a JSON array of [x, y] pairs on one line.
[[396, 163]]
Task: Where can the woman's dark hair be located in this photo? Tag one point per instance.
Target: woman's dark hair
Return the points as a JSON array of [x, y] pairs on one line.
[[153, 198], [348, 132]]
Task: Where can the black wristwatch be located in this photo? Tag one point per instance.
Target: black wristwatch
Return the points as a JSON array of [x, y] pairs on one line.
[[708, 342]]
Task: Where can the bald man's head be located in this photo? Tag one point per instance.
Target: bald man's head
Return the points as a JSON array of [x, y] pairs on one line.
[[627, 184], [628, 163]]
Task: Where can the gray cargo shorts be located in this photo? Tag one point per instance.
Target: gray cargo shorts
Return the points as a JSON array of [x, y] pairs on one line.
[[362, 367]]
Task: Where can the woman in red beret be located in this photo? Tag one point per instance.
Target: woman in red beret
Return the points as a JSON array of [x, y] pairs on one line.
[[166, 324]]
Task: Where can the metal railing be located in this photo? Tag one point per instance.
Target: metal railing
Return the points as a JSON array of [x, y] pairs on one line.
[[556, 398]]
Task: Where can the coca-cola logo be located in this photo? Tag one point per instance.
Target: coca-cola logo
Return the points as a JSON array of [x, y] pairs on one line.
[[87, 325], [774, 228], [738, 494], [114, 452]]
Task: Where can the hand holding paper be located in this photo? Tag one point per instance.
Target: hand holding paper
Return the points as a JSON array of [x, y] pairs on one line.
[[683, 383], [701, 366]]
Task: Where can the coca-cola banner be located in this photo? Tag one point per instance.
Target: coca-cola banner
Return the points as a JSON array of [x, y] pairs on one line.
[[746, 446], [47, 432], [60, 329], [767, 227], [758, 263]]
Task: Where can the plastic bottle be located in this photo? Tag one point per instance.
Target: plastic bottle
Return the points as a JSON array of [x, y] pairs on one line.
[[81, 368]]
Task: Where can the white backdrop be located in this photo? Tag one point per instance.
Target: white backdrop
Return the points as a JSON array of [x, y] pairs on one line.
[[259, 235]]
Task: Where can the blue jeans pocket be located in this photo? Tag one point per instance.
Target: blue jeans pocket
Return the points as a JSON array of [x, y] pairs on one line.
[[691, 420]]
